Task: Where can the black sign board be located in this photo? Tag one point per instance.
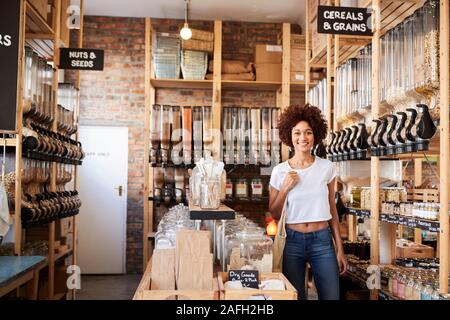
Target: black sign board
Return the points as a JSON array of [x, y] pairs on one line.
[[344, 20], [248, 278], [9, 57], [81, 59]]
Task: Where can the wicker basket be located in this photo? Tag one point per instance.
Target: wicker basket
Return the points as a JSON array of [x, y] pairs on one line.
[[198, 45], [202, 35], [194, 64], [166, 56]]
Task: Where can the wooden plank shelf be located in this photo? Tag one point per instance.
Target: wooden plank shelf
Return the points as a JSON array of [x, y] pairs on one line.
[[151, 234], [250, 85], [181, 84], [63, 254], [427, 225], [359, 212], [8, 142], [35, 23], [222, 213], [384, 295], [300, 85], [38, 34], [392, 13], [356, 279]]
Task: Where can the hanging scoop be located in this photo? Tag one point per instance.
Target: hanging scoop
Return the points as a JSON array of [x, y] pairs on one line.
[[391, 147], [361, 142], [401, 139], [374, 142], [411, 131], [425, 128], [329, 148], [352, 143]]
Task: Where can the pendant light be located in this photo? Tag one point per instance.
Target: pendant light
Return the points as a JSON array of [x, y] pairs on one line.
[[186, 32]]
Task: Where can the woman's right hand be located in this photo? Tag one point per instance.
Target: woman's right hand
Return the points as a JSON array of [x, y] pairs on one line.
[[290, 181]]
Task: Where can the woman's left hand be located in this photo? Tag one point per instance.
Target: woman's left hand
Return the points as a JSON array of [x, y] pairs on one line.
[[342, 261]]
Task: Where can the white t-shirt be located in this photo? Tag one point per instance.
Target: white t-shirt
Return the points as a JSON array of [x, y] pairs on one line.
[[308, 200]]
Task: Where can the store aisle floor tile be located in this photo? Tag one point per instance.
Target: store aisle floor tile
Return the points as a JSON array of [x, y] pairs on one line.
[[108, 287]]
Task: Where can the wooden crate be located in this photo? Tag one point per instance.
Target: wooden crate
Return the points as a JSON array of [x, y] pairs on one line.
[[423, 195], [414, 251], [143, 291], [245, 294]]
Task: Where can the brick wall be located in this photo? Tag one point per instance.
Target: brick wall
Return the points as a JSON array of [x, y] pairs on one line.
[[116, 95]]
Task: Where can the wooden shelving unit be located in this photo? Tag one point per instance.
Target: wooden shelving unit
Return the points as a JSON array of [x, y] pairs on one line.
[[181, 84], [386, 15], [45, 39], [217, 85], [392, 13]]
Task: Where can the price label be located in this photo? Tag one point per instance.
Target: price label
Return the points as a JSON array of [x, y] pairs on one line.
[[248, 278]]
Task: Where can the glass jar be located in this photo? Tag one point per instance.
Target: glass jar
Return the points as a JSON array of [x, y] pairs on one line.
[[210, 193], [426, 292], [250, 249], [27, 95], [155, 132], [229, 189], [395, 278], [257, 188], [418, 51], [356, 196], [241, 189], [417, 289], [401, 283], [409, 288], [431, 43]]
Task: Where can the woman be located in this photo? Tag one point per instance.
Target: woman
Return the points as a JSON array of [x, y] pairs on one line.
[[311, 216]]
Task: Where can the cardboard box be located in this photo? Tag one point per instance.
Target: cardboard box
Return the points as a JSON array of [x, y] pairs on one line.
[[268, 53], [268, 72], [298, 76], [298, 59], [41, 7]]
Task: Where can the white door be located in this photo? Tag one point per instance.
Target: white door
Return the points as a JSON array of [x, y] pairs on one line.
[[102, 187]]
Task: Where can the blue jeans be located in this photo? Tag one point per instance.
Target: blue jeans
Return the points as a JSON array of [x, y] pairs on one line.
[[316, 248]]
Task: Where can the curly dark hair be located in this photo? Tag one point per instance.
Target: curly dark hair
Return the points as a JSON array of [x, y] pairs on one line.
[[296, 113]]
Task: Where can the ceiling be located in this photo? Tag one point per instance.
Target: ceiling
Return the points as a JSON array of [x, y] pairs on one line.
[[292, 11]]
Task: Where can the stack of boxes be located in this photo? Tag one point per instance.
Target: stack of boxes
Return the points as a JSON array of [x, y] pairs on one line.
[[298, 62], [268, 62]]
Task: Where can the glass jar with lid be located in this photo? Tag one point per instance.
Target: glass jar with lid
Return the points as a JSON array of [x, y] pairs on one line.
[[409, 288], [210, 193], [250, 249], [431, 43], [241, 190], [417, 290], [426, 291], [257, 188]]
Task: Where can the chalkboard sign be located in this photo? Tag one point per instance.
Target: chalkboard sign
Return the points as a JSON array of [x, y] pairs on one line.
[[344, 20], [248, 278], [9, 57], [81, 59]]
